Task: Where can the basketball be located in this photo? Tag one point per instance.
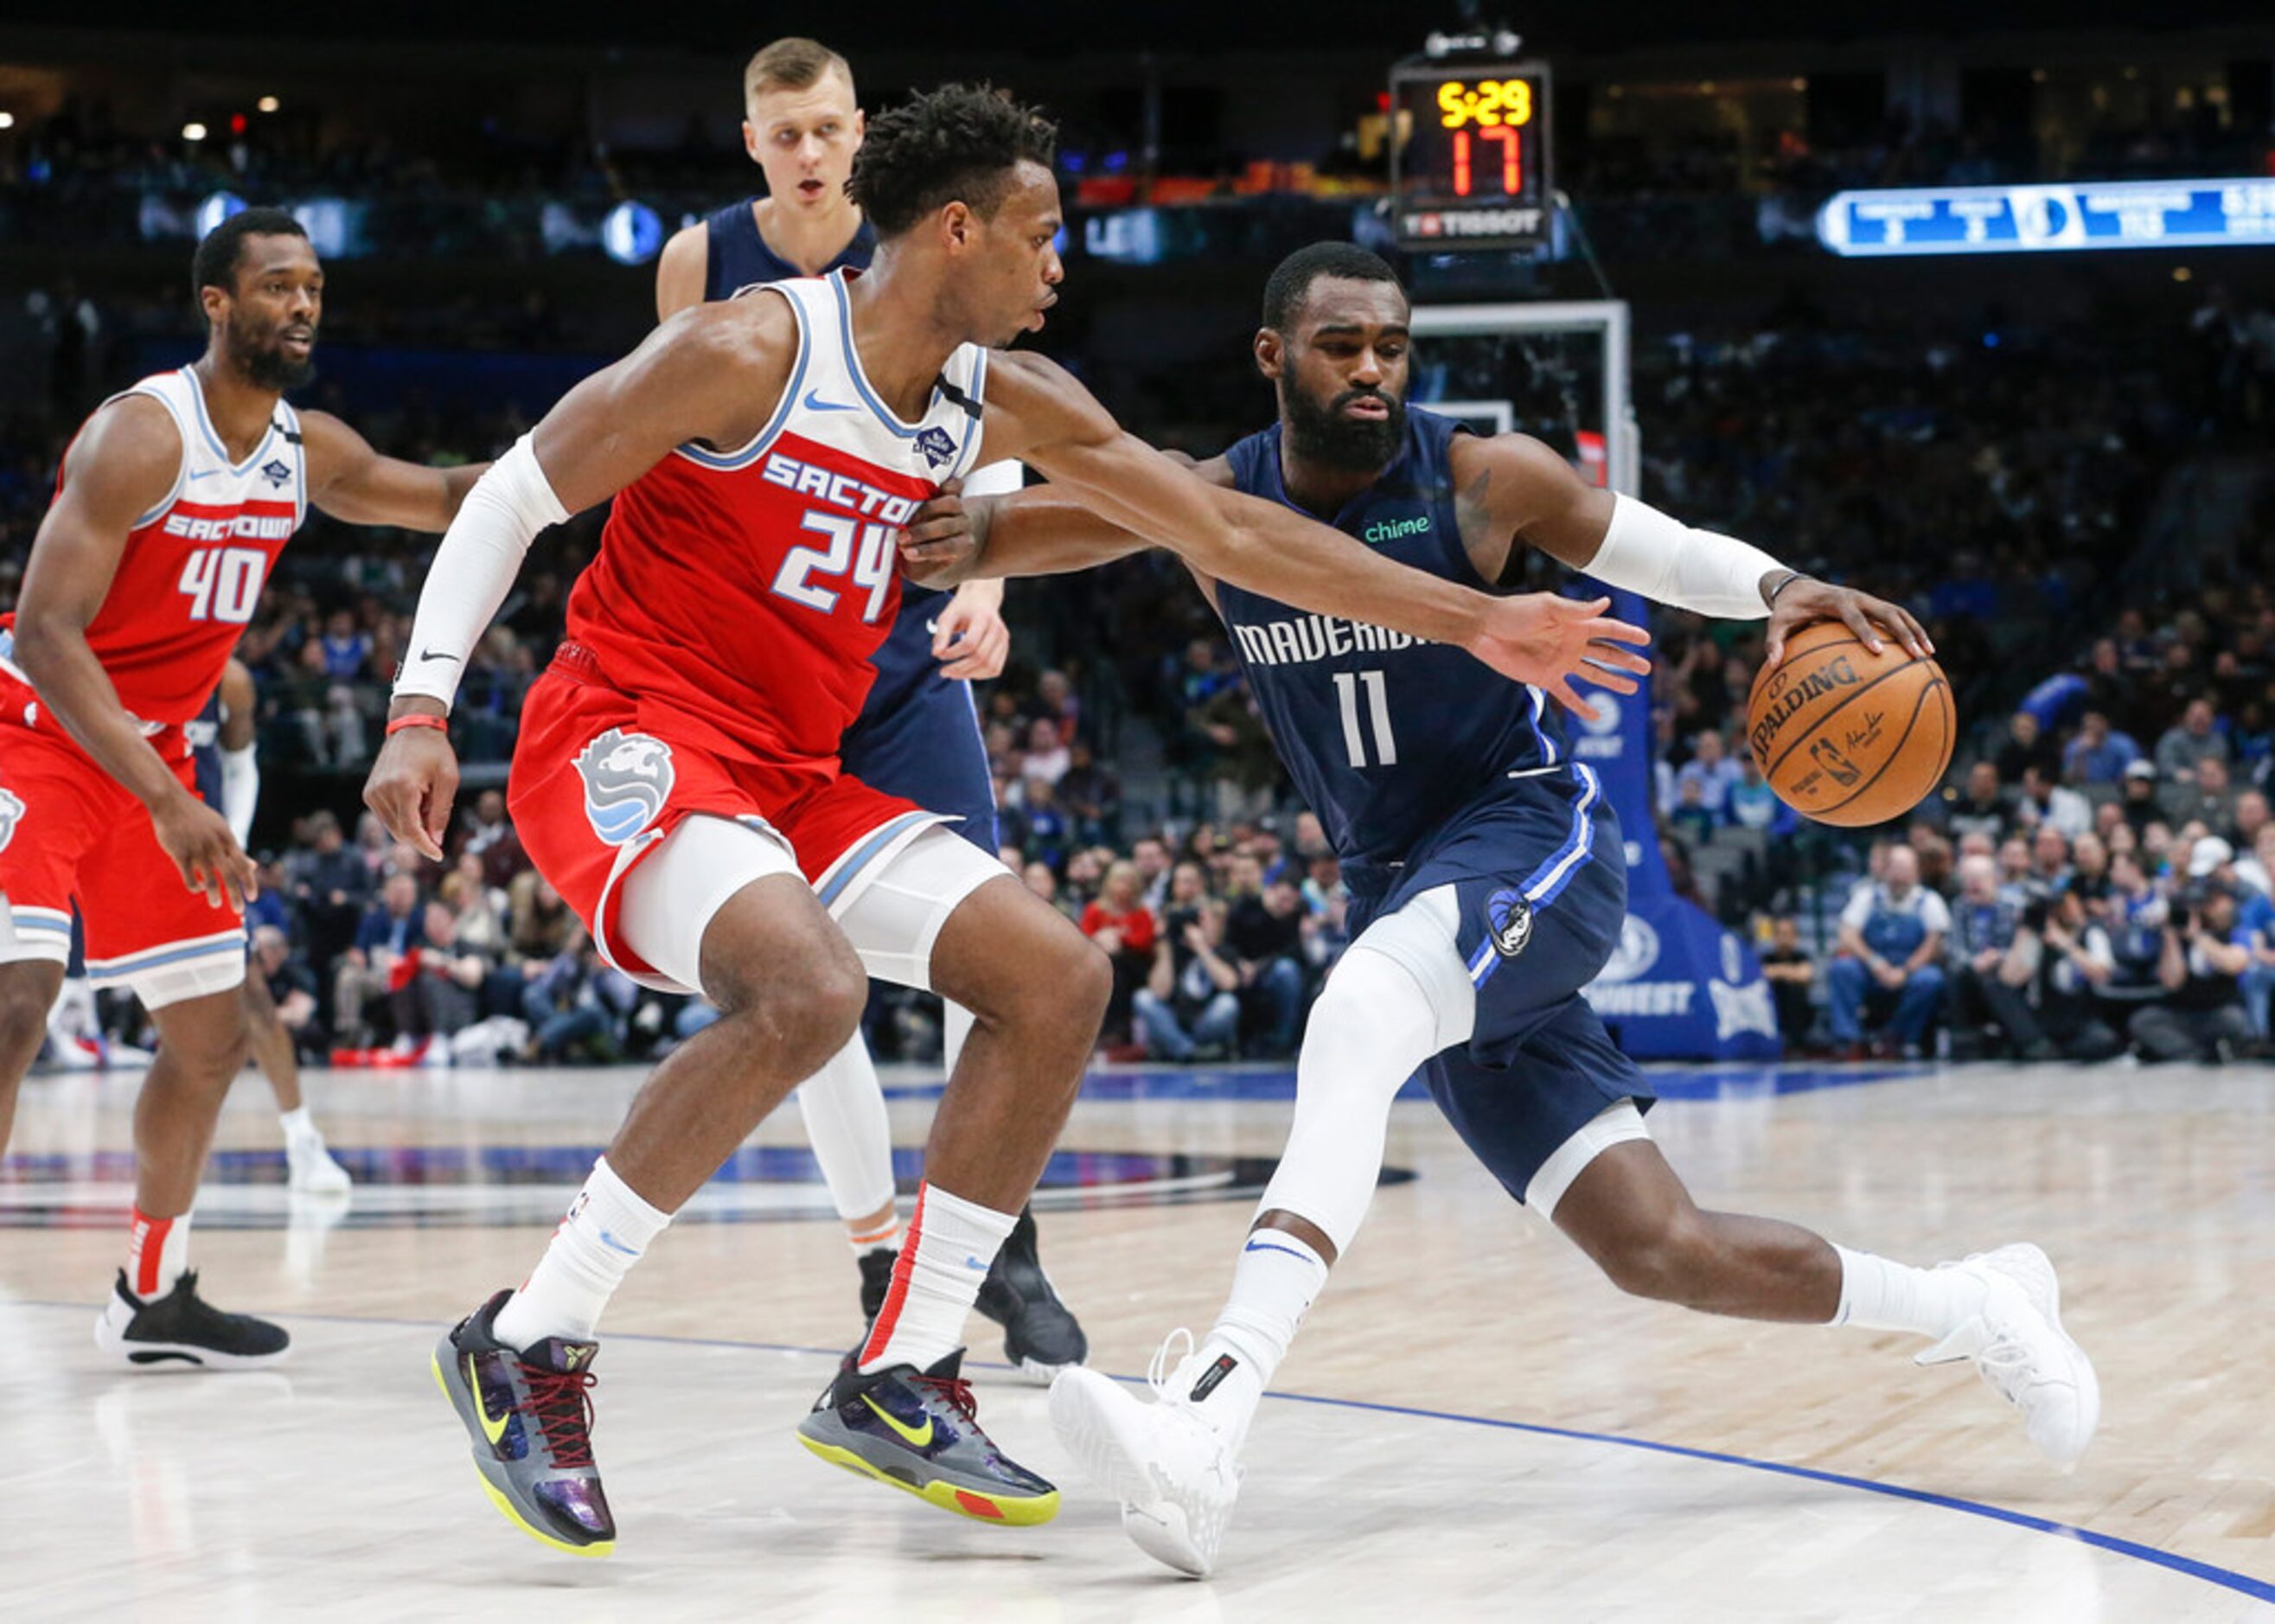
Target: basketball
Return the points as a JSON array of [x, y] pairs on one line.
[[1848, 736]]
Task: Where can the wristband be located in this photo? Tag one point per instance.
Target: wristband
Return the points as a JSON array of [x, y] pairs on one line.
[[1790, 579], [418, 719]]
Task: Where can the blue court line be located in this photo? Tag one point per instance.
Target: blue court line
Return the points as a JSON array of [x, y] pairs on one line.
[[1749, 1080], [2226, 1578]]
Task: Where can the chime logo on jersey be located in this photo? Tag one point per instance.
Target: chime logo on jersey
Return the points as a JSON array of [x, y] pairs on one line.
[[627, 779], [1509, 916], [938, 446], [11, 810]]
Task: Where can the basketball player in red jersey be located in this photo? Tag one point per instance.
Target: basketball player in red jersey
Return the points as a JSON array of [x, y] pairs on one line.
[[676, 774], [172, 502], [917, 735]]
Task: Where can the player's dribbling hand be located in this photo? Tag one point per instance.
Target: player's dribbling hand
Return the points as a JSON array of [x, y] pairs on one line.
[[411, 787], [941, 538], [198, 839], [1806, 599], [1550, 641]]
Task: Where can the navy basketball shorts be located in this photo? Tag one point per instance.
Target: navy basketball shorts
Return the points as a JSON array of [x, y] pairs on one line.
[[918, 737], [1537, 877]]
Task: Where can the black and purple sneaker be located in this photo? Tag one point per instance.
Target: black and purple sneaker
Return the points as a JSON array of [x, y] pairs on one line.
[[530, 1415]]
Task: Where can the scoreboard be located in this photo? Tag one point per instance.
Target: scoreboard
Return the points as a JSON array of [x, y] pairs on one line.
[[1469, 156]]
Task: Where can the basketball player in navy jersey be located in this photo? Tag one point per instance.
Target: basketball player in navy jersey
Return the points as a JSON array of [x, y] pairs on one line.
[[919, 735], [229, 781], [1487, 890]]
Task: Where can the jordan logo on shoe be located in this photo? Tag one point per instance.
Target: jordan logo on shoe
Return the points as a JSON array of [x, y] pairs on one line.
[[1225, 1365]]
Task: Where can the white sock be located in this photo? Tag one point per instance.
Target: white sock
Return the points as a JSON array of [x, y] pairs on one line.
[[885, 1237], [607, 1229], [852, 1137], [300, 1127], [157, 1253], [1877, 1294], [1272, 1287], [951, 1243]]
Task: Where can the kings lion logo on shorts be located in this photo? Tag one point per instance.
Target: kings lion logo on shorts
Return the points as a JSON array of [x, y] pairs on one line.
[[11, 810], [939, 447], [1509, 916], [627, 779]]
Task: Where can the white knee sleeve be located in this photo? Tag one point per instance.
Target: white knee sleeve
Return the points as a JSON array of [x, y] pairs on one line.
[[896, 916], [671, 898], [844, 1109], [1373, 1025], [1617, 1123]]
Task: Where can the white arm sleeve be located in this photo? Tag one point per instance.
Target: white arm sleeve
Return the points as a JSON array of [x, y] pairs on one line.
[[240, 790], [1644, 551], [473, 570], [996, 479]]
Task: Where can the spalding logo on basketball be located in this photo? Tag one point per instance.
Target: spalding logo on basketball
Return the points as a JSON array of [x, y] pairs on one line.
[[1848, 736], [627, 779]]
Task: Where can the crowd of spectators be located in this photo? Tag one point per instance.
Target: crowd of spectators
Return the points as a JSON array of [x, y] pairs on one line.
[[2034, 465], [2102, 881]]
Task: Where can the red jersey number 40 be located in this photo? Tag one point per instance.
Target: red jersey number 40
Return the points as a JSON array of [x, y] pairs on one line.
[[860, 552], [224, 583]]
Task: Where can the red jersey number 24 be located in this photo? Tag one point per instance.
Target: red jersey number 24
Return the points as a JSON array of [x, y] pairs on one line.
[[858, 553]]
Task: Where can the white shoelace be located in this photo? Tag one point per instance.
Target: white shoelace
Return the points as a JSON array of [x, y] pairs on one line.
[[1162, 1368]]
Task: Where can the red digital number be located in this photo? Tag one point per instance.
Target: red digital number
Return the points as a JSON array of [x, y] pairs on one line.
[[1512, 173], [1512, 161]]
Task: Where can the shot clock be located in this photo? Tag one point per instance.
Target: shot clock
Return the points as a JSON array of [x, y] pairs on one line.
[[1469, 165]]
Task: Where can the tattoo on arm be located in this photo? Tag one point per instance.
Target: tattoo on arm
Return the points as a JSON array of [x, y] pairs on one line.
[[1490, 547]]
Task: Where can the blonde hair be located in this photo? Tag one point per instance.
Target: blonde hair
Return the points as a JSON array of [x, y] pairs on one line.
[[792, 65]]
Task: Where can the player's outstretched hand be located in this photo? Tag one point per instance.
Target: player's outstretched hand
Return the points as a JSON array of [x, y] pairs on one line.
[[1550, 641], [412, 785], [1806, 599], [968, 637], [198, 839], [941, 539]]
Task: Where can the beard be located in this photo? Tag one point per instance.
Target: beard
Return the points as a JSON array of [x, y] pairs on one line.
[[1325, 436], [265, 363]]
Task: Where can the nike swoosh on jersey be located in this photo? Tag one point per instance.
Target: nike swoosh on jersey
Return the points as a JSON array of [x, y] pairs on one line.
[[815, 403], [428, 653], [915, 1439], [205, 474], [492, 1429]]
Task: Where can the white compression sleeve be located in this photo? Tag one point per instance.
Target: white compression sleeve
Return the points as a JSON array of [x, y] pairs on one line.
[[240, 790], [1644, 551], [473, 570], [851, 1134], [996, 479]]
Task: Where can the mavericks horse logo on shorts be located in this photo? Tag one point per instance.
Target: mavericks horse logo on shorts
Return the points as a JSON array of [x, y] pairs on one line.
[[1509, 918], [627, 779], [11, 809]]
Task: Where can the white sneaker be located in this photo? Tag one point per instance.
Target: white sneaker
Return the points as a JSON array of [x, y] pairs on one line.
[[312, 1169], [1175, 1477], [2018, 1344]]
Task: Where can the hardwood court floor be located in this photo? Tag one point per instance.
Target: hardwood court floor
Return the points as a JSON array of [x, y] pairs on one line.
[[1481, 1392]]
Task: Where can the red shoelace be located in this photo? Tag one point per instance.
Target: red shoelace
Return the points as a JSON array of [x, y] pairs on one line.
[[956, 1391], [561, 1403]]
